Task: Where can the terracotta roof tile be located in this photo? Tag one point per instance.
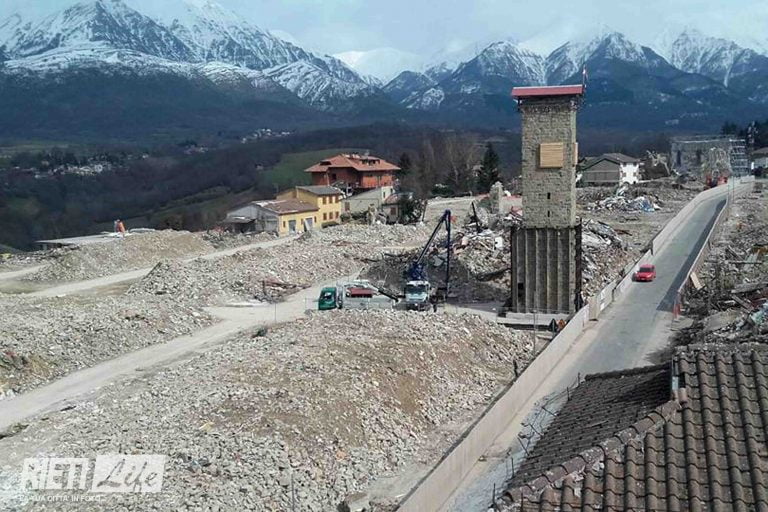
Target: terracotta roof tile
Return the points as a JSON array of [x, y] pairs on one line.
[[709, 452], [360, 163]]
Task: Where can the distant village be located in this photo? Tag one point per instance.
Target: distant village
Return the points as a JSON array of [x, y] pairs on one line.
[[366, 187]]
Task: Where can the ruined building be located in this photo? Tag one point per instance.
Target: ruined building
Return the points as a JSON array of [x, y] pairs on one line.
[[693, 154], [546, 250]]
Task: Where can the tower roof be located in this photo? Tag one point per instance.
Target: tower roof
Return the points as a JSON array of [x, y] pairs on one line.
[[550, 90]]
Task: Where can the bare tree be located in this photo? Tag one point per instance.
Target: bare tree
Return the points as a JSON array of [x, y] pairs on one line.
[[462, 153]]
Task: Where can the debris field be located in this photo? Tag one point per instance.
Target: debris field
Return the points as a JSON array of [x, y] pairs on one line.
[[244, 426], [729, 304]]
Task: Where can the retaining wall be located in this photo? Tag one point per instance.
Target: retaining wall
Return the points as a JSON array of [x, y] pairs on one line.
[[438, 485], [743, 187]]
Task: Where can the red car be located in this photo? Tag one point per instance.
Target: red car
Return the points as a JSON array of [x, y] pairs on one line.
[[645, 273]]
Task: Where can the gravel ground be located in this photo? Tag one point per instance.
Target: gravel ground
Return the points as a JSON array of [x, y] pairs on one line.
[[133, 252], [326, 404], [17, 261], [44, 339], [226, 240]]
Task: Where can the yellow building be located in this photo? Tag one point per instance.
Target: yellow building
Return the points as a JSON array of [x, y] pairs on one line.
[[326, 199], [281, 216]]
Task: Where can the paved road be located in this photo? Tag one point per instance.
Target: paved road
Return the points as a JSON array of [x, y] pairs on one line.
[[79, 286], [629, 333], [84, 384]]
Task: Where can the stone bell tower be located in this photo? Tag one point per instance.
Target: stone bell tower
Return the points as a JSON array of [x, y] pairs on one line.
[[546, 251]]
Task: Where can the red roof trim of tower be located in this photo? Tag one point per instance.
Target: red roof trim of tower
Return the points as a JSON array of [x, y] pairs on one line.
[[552, 90]]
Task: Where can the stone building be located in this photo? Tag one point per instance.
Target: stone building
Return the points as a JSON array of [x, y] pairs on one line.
[[545, 252]]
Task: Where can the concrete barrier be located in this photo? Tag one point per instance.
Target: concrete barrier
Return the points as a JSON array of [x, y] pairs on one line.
[[601, 300], [742, 187], [439, 484]]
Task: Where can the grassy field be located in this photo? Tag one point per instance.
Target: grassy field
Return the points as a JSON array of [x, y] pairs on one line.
[[12, 148], [289, 172]]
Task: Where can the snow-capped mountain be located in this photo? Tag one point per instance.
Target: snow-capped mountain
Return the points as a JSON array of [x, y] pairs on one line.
[[740, 69], [314, 83], [406, 83], [216, 34], [187, 61], [382, 63], [108, 34], [495, 70], [108, 23], [627, 81], [447, 60], [500, 65], [569, 59]]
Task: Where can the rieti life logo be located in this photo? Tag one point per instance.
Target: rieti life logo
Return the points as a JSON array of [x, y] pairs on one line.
[[114, 473]]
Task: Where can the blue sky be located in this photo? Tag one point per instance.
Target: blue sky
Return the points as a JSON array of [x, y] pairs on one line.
[[426, 26]]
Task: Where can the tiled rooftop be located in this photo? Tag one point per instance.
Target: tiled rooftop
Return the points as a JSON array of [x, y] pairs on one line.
[[360, 163], [704, 449]]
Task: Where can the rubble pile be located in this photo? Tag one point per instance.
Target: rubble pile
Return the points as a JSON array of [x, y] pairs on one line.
[[604, 256], [729, 301], [135, 251], [268, 274], [480, 264], [227, 240], [624, 200], [647, 197], [318, 408], [16, 261], [44, 339], [378, 235]]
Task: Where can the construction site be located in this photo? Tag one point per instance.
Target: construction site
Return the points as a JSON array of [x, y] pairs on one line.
[[375, 367]]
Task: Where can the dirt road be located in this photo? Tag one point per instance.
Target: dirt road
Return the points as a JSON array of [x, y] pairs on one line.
[[86, 383]]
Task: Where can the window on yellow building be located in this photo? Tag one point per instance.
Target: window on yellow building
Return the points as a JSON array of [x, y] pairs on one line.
[[325, 216], [324, 199], [337, 215]]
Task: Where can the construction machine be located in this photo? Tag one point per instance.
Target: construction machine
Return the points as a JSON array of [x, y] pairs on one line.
[[419, 291]]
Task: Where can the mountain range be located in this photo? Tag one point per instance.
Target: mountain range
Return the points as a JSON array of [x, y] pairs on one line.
[[102, 68]]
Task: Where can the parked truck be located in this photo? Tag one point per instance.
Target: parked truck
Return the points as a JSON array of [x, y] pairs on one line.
[[354, 295], [419, 295]]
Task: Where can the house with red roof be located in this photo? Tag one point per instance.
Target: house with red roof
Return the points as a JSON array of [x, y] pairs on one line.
[[353, 172]]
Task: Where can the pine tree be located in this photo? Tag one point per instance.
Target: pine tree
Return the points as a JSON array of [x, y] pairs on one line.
[[405, 165], [489, 169]]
